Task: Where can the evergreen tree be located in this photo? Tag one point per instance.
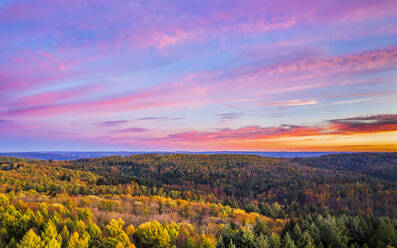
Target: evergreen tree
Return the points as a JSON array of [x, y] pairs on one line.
[[288, 242], [262, 242], [12, 243], [65, 235], [275, 241], [308, 240]]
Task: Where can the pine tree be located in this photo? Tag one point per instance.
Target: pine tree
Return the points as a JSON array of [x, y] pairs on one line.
[[231, 244], [262, 242], [12, 243], [309, 242], [288, 242], [65, 235], [275, 241]]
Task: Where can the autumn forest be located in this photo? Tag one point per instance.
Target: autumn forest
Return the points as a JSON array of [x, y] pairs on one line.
[[193, 200]]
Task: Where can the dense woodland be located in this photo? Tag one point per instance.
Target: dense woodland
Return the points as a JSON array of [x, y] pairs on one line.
[[191, 200]]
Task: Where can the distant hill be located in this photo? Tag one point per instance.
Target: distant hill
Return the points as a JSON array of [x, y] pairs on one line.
[[343, 183], [71, 155], [379, 165]]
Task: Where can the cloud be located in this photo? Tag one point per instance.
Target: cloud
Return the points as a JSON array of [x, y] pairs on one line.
[[157, 118], [143, 24], [162, 96], [365, 124], [348, 126], [245, 133], [230, 116], [52, 97], [290, 103], [296, 72], [361, 133], [70, 64], [214, 86], [130, 130], [112, 123]]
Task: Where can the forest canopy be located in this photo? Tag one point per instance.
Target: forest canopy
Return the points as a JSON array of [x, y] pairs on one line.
[[191, 200]]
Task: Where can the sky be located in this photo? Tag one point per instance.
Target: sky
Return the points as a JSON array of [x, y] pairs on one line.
[[181, 75]]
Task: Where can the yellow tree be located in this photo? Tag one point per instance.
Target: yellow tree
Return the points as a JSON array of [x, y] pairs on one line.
[[76, 242], [152, 234], [50, 236], [115, 230], [30, 240]]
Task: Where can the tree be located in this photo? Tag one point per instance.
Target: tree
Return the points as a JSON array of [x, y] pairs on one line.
[[31, 240], [115, 230], [207, 241], [261, 227], [50, 236], [65, 235], [262, 242], [12, 243], [152, 234], [288, 242], [275, 241], [76, 242], [130, 230], [385, 234], [309, 242]]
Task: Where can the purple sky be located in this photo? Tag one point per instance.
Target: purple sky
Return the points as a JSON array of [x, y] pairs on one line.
[[198, 75]]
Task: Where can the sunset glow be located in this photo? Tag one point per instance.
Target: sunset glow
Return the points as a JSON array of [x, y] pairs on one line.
[[198, 76]]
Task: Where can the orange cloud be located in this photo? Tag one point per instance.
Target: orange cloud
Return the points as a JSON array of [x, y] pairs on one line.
[[339, 134]]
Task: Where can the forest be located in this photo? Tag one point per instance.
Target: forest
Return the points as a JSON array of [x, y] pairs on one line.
[[199, 200]]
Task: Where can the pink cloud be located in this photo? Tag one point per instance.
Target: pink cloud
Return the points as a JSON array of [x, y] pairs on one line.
[[52, 97], [212, 86], [164, 96], [298, 74], [290, 103], [117, 19]]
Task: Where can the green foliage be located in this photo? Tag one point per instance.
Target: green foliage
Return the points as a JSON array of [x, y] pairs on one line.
[[308, 240], [275, 241]]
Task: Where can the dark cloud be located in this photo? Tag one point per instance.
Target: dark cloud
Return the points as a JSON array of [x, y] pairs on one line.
[[368, 124]]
